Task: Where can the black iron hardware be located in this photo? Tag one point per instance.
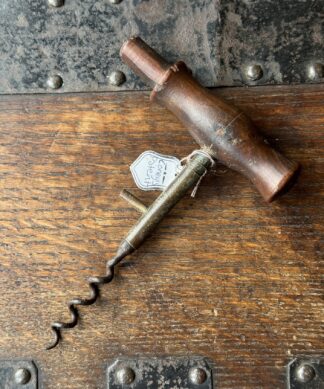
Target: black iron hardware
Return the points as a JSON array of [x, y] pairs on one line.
[[18, 374], [306, 373], [73, 46], [166, 373]]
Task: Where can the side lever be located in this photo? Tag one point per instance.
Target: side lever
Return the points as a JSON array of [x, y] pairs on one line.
[[223, 132]]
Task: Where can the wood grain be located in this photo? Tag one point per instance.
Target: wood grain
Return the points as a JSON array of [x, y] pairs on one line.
[[225, 276]]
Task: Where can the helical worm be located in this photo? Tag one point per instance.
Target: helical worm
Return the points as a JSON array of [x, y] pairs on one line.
[[94, 284]]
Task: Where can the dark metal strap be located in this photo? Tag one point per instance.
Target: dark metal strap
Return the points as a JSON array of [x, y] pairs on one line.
[[73, 46]]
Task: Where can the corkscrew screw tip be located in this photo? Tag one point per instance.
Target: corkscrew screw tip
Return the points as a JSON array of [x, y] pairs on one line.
[[56, 340], [94, 284]]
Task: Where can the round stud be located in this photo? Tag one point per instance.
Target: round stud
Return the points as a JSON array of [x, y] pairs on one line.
[[117, 78], [305, 373], [22, 376], [56, 3], [315, 71], [254, 72], [115, 1], [55, 82], [125, 375], [197, 375]]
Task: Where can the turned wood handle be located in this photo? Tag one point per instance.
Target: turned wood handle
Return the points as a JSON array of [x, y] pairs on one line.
[[230, 135]]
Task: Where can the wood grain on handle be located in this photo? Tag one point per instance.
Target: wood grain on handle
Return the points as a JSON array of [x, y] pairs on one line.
[[213, 123]]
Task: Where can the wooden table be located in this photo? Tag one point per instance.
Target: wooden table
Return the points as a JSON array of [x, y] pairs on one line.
[[226, 276]]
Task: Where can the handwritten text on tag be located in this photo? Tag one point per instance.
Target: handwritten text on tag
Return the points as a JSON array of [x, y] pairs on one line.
[[154, 171]]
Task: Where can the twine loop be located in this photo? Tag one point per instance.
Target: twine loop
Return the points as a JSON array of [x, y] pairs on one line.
[[205, 151]]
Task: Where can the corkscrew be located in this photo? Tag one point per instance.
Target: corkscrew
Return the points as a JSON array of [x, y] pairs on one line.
[[224, 134], [190, 175]]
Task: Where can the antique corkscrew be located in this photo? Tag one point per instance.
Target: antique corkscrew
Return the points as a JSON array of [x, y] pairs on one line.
[[224, 133]]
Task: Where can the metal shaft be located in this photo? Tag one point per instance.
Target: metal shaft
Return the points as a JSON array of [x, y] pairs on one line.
[[187, 179]]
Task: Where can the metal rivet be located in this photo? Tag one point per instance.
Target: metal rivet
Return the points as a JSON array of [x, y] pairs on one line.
[[117, 78], [315, 71], [125, 375], [197, 375], [305, 373], [115, 1], [22, 376], [56, 3], [254, 72], [55, 82]]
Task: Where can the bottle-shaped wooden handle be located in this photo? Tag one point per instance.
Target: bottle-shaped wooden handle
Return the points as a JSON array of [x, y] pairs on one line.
[[226, 131]]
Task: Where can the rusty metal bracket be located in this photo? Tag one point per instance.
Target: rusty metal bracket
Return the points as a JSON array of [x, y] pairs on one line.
[[166, 373], [73, 46], [18, 374], [306, 373]]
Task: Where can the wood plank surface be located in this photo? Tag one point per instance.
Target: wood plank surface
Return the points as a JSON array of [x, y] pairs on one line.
[[226, 276]]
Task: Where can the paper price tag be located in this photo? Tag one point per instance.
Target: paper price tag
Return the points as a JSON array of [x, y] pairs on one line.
[[154, 171]]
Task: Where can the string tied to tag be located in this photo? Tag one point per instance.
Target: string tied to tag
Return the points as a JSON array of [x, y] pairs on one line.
[[205, 151]]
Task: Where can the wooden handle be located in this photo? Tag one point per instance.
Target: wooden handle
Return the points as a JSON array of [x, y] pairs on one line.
[[230, 135]]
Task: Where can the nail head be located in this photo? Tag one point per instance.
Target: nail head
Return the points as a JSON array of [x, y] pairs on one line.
[[197, 375], [55, 82], [254, 72], [117, 78], [305, 373], [56, 3], [315, 71], [125, 375], [22, 376]]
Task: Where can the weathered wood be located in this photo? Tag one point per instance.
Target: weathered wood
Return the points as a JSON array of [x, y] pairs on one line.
[[225, 276]]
